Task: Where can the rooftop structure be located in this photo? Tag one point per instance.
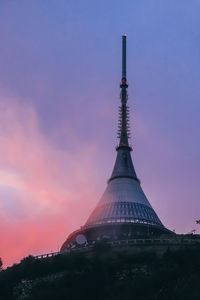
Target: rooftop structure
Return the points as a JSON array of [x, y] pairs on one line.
[[123, 210]]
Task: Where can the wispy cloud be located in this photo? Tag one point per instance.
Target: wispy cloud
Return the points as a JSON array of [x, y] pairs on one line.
[[45, 192]]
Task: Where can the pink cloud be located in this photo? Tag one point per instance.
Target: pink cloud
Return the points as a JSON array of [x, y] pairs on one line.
[[45, 192]]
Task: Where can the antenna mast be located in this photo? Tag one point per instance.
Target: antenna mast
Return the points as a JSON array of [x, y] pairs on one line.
[[123, 123]]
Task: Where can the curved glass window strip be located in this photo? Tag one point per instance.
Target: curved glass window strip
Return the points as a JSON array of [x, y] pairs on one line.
[[124, 212]]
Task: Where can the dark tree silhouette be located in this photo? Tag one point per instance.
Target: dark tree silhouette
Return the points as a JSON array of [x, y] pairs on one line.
[[1, 264], [105, 274]]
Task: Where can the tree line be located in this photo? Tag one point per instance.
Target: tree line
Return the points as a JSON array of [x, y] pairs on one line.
[[105, 274]]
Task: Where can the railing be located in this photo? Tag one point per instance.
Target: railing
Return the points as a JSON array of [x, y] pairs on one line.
[[155, 241], [46, 255], [132, 242]]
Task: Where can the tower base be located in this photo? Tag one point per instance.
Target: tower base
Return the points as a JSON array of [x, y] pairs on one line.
[[87, 236]]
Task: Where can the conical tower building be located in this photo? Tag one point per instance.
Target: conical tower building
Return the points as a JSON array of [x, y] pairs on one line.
[[123, 212]]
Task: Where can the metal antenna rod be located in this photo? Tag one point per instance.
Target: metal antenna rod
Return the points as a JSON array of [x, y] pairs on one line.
[[124, 56]]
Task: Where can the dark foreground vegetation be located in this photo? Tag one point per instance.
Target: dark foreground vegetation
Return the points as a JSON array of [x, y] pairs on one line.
[[105, 275]]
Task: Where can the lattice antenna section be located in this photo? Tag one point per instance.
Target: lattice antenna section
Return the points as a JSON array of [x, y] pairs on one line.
[[124, 121]]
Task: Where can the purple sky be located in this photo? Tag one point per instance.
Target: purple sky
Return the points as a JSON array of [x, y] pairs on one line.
[[59, 86]]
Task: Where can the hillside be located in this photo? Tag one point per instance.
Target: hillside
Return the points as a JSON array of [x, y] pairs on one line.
[[105, 275]]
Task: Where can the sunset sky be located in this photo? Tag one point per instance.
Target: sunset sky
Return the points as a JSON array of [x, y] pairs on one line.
[[60, 69]]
